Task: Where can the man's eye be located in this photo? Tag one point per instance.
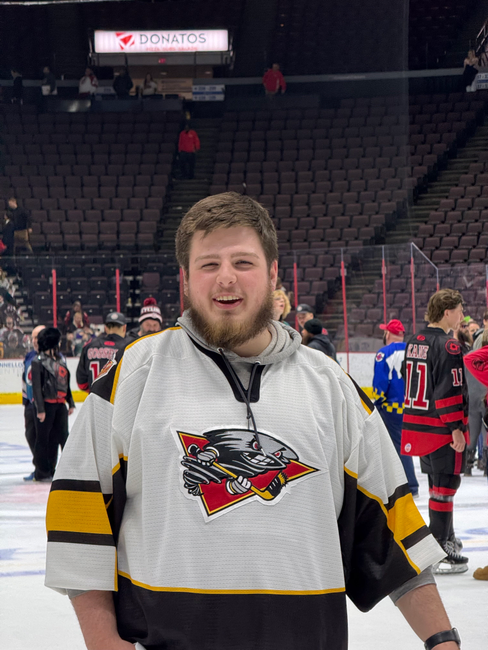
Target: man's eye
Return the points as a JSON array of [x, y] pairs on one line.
[[244, 262]]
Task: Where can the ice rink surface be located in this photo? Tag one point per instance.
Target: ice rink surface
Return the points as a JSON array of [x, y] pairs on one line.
[[32, 616]]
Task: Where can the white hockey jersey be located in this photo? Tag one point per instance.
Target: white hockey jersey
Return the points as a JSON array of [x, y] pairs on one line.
[[217, 536]]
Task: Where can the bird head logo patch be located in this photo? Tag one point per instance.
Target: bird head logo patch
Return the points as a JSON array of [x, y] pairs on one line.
[[224, 468]]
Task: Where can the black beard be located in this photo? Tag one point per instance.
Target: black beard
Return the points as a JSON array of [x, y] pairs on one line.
[[228, 335]]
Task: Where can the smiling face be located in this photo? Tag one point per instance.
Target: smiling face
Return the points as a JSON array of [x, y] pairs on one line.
[[229, 288]]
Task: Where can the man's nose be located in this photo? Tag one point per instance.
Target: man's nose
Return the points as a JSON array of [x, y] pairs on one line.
[[226, 275]]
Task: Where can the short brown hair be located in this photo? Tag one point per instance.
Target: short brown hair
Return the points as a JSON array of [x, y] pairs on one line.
[[227, 210], [440, 301]]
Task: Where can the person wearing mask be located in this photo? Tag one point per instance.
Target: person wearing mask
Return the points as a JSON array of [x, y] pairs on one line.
[[435, 416], [389, 391], [188, 145], [98, 352], [179, 448], [28, 396], [313, 338], [150, 320], [88, 84], [21, 219], [48, 82], [123, 84], [274, 81], [53, 402]]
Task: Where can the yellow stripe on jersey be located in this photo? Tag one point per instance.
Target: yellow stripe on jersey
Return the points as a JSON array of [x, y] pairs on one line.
[[77, 512], [402, 519], [189, 590], [117, 467], [117, 372]]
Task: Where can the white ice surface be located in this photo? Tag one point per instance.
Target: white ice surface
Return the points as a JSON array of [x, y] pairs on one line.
[[32, 616]]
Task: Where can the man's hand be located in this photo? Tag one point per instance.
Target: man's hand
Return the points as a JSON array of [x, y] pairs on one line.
[[41, 417], [71, 410], [458, 441]]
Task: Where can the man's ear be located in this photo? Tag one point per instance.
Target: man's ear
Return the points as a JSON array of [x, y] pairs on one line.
[[273, 273], [185, 281]]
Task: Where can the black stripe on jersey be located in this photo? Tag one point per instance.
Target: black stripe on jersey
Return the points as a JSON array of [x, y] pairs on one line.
[[400, 492], [374, 564], [256, 386], [116, 506], [201, 621], [69, 537], [75, 485], [415, 537], [368, 404]]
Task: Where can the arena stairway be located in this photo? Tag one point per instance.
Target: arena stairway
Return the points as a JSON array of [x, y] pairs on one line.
[[184, 193], [406, 228]]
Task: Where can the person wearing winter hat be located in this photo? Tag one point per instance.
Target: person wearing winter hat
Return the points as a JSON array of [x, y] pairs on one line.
[[51, 392], [313, 337], [150, 320]]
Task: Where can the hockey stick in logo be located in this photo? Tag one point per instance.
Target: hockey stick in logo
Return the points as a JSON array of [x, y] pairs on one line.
[[264, 494]]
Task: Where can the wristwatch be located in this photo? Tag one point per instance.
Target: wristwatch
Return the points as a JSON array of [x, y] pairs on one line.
[[442, 637]]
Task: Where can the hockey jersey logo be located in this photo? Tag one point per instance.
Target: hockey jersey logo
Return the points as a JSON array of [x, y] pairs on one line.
[[105, 370], [224, 468]]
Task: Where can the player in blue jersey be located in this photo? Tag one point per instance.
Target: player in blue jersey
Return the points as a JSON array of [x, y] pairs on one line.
[[389, 391]]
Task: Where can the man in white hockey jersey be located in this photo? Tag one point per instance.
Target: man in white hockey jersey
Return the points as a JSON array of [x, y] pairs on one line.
[[188, 512]]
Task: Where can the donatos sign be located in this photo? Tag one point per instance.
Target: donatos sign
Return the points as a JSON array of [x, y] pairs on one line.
[[210, 40]]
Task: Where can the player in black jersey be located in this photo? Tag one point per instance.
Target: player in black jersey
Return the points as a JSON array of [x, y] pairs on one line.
[[98, 351], [435, 416]]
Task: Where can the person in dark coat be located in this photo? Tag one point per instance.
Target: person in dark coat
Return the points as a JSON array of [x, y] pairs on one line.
[[53, 402], [123, 84], [18, 87], [313, 338]]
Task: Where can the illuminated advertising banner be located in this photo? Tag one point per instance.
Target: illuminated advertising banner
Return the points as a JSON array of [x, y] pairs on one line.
[[147, 42]]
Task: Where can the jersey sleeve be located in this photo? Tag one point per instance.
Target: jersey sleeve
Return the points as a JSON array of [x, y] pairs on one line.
[[448, 379], [477, 364], [380, 378], [385, 541], [83, 372], [86, 500]]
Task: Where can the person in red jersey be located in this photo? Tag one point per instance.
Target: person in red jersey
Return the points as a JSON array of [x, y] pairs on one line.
[[435, 416], [274, 81], [188, 145]]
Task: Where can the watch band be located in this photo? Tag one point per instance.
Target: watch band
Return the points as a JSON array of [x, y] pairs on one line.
[[442, 637]]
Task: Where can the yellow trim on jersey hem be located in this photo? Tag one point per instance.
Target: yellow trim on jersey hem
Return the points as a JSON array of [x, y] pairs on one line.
[[188, 590], [121, 457], [117, 372], [402, 519]]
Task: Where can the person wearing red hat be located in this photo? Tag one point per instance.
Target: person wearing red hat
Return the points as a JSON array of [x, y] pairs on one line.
[[389, 391]]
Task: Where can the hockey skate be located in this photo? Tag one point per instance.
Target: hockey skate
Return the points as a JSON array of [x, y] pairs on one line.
[[453, 562], [458, 545]]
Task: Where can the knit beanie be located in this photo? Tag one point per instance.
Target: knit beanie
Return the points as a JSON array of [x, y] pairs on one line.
[[150, 309]]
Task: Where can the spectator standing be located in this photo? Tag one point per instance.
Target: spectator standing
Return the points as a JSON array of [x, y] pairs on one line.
[[281, 305], [21, 219], [313, 338], [188, 145], [149, 86], [69, 323], [101, 350], [48, 82], [175, 400], [150, 320], [8, 236], [274, 81], [51, 393], [30, 415], [18, 87], [471, 69], [88, 84], [389, 391], [436, 415], [123, 84]]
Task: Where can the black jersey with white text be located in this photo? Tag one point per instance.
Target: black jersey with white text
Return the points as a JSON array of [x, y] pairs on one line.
[[95, 355], [436, 398]]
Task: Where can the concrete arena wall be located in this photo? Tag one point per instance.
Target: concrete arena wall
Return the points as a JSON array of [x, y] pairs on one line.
[[360, 367]]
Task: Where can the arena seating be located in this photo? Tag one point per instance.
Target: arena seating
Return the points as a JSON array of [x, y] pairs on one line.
[[90, 180], [313, 37]]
